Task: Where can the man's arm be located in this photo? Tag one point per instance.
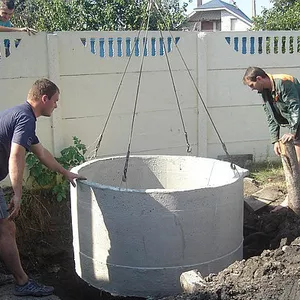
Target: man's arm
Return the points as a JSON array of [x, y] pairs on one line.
[[16, 166], [50, 162], [274, 128], [290, 97], [47, 159], [16, 29]]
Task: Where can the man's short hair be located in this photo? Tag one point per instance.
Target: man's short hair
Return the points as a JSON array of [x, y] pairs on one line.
[[252, 72], [10, 4], [42, 87]]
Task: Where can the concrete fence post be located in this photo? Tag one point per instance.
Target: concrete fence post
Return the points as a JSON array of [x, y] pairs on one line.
[[202, 87], [54, 75]]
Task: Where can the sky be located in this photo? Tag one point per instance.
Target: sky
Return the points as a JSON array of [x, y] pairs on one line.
[[244, 5]]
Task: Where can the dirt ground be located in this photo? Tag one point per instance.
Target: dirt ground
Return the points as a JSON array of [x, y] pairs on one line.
[[271, 265], [270, 269]]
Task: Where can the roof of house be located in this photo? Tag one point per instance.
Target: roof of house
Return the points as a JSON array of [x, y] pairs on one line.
[[218, 4]]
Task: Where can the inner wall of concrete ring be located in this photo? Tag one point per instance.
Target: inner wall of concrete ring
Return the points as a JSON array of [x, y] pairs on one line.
[[174, 214]]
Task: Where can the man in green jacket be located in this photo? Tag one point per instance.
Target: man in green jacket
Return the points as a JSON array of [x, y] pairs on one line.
[[281, 96]]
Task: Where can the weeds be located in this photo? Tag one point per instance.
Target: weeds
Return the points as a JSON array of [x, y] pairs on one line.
[[267, 172], [41, 177]]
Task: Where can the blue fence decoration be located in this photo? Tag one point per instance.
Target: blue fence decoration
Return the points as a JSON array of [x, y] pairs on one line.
[[8, 45], [265, 45], [120, 47]]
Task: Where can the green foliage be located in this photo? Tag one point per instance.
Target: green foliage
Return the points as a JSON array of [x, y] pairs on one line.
[[58, 15], [44, 178], [73, 155], [284, 15]]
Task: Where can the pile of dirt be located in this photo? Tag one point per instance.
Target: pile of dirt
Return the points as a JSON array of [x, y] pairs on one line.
[[274, 274], [271, 265], [270, 269]]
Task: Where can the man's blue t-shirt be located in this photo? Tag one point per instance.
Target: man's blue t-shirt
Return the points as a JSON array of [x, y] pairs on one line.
[[6, 24], [17, 124]]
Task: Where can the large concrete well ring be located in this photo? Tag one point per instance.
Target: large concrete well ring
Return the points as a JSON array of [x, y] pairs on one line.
[[173, 214]]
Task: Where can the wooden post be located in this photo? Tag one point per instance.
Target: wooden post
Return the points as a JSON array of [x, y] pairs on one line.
[[292, 174]]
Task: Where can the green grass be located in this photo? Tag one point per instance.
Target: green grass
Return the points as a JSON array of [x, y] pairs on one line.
[[267, 171]]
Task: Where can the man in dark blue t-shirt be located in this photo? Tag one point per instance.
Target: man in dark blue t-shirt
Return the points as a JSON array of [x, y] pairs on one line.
[[17, 125], [17, 135]]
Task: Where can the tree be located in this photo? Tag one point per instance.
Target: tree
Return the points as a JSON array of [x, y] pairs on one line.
[[284, 15], [57, 15]]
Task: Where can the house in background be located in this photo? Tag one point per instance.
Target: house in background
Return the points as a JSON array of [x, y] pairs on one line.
[[217, 15]]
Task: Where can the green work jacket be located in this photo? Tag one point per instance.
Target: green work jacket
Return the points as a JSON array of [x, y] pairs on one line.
[[282, 104]]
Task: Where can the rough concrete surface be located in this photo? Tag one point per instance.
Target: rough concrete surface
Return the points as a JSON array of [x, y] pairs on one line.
[[164, 195]]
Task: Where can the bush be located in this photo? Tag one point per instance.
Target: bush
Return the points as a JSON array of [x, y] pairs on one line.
[[43, 178]]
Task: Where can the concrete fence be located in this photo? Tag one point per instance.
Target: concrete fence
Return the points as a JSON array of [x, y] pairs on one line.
[[89, 67]]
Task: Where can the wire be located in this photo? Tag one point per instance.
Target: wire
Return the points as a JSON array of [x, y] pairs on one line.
[[145, 39], [99, 139], [189, 149], [124, 177], [198, 92]]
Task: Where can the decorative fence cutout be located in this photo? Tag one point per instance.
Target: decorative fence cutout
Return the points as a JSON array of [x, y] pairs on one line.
[[265, 44], [120, 47], [7, 46]]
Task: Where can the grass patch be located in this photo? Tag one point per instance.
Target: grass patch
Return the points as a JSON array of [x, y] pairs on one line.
[[267, 171]]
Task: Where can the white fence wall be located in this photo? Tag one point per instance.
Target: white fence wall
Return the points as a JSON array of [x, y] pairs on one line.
[[25, 64], [235, 109], [91, 80], [88, 67]]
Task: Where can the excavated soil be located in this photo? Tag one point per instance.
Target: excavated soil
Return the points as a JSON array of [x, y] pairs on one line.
[[270, 269], [271, 265], [272, 273]]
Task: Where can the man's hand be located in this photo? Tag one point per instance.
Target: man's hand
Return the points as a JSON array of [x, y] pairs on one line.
[[72, 176], [287, 137], [28, 30], [14, 207], [277, 149]]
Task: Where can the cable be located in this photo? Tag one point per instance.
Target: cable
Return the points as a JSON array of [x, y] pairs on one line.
[[198, 92], [99, 139], [124, 177], [189, 149]]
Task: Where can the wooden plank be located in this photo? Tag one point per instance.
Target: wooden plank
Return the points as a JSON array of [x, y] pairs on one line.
[[292, 174], [256, 203], [262, 198]]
